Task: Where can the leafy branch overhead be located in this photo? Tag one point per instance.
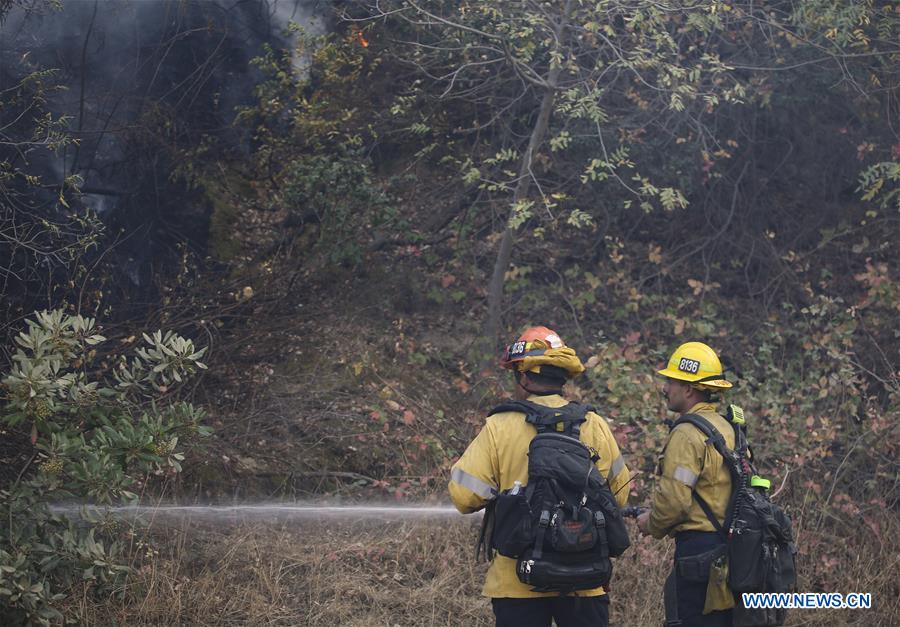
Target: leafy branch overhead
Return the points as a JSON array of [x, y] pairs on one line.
[[614, 65]]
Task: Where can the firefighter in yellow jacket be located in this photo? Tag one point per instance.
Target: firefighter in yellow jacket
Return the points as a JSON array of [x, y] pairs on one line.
[[498, 458], [692, 477]]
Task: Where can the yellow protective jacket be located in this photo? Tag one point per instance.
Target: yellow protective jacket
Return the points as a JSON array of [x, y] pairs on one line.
[[498, 457], [688, 463]]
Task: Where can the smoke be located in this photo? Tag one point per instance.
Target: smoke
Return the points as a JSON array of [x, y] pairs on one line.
[[130, 65]]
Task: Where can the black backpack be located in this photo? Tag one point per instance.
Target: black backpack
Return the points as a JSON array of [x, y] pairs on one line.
[[758, 533], [564, 525]]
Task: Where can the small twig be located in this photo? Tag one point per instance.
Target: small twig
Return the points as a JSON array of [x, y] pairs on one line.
[[837, 473], [22, 472], [12, 489], [787, 472]]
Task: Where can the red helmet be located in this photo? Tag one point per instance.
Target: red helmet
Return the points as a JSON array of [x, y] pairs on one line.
[[539, 346]]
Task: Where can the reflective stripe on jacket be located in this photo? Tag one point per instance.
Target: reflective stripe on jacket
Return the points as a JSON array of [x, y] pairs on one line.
[[688, 463], [498, 457]]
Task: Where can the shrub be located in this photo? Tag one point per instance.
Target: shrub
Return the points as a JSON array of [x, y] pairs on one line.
[[103, 425], [338, 193]]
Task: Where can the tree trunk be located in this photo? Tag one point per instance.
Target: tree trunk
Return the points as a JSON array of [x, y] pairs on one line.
[[495, 289]]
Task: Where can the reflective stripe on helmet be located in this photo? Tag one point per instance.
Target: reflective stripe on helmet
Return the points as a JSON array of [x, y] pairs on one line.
[[470, 482], [685, 476], [510, 356]]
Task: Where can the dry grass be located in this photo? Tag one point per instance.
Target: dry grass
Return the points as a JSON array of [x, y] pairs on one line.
[[413, 572], [328, 572]]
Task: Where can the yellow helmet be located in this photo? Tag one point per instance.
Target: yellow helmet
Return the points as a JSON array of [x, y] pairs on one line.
[[697, 363]]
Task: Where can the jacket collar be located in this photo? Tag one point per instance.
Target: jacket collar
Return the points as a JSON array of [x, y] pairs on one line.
[[551, 400], [700, 407]]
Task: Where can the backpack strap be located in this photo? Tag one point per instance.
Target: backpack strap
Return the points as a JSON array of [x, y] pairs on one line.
[[566, 419], [524, 407], [483, 546], [715, 437]]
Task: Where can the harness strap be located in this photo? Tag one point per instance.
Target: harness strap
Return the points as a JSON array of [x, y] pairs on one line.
[[483, 546], [709, 513], [715, 437], [543, 523], [546, 419], [529, 491], [670, 601]]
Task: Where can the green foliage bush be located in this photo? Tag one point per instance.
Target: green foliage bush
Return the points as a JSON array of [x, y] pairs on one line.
[[338, 193], [820, 419], [309, 128], [816, 375], [103, 426], [882, 181]]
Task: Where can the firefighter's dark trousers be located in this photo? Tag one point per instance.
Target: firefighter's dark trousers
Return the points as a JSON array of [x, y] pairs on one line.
[[690, 592], [538, 612]]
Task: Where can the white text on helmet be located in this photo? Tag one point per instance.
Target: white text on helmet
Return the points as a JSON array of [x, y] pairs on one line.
[[517, 348]]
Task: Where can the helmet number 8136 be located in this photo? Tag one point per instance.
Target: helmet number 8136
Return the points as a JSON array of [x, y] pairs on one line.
[[689, 365]]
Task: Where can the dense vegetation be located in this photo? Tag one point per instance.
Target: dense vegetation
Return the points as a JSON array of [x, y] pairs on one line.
[[377, 220]]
